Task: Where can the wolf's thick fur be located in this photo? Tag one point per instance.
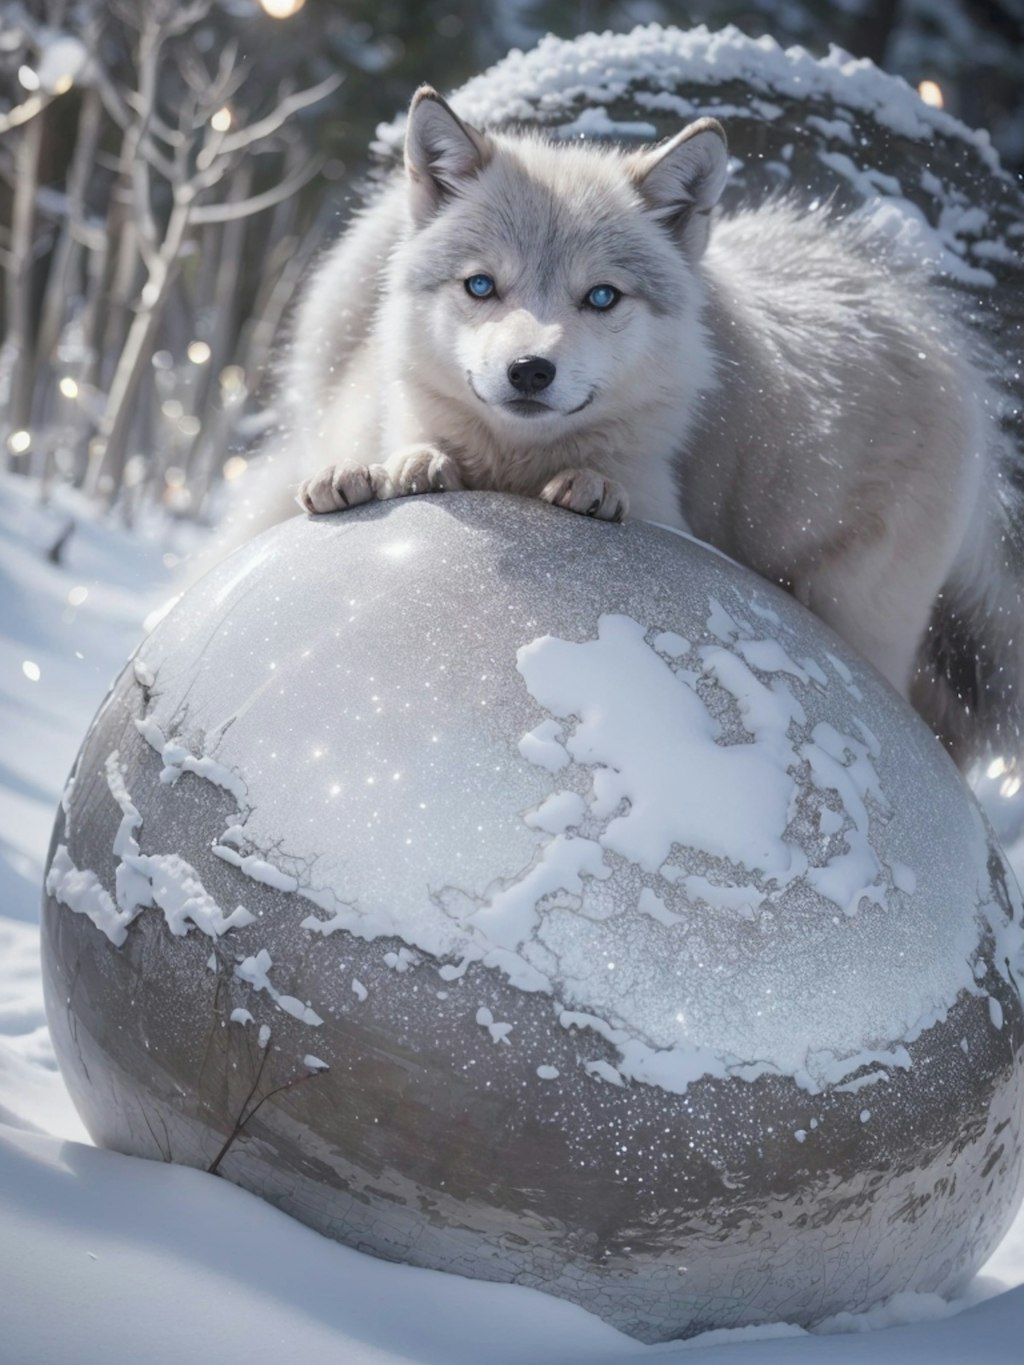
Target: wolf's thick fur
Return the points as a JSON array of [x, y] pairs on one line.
[[773, 386]]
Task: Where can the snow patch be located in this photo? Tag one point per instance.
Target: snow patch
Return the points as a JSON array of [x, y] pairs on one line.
[[499, 1032], [178, 759], [255, 972], [81, 891], [257, 868], [595, 122], [544, 746]]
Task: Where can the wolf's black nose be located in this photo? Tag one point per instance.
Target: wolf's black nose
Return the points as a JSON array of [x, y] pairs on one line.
[[530, 373]]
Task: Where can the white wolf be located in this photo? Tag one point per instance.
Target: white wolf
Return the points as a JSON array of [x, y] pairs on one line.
[[558, 320]]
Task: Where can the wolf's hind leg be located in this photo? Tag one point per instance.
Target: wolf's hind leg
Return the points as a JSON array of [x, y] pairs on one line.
[[904, 523], [880, 601]]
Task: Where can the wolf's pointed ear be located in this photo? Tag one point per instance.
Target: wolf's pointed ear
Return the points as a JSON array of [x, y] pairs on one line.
[[683, 179], [440, 150]]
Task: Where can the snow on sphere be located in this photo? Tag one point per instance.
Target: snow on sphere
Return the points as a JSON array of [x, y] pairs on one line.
[[519, 895]]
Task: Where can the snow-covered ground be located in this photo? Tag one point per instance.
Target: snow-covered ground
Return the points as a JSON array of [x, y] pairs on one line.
[[107, 1259]]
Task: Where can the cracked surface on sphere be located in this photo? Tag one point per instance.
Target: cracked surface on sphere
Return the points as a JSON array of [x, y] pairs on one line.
[[544, 900]]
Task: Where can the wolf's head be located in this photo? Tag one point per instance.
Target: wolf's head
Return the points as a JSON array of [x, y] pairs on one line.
[[545, 281]]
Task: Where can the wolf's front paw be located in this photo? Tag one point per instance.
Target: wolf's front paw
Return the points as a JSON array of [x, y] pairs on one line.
[[340, 486], [422, 469], [587, 492]]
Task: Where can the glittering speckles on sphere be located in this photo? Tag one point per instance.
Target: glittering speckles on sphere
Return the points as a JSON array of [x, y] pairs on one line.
[[539, 899]]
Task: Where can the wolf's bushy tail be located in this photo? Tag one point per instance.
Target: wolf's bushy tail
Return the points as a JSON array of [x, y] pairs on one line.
[[969, 683]]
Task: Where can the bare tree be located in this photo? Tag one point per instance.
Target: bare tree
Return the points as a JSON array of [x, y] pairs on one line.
[[25, 120], [178, 178], [132, 326]]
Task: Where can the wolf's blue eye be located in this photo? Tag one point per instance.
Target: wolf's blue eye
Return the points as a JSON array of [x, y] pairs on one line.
[[480, 286], [603, 296]]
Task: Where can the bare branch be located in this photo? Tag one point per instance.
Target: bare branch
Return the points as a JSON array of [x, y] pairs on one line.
[[214, 90], [19, 301], [229, 78], [192, 70], [168, 135], [180, 18], [250, 1113], [76, 234], [115, 106], [126, 117], [55, 554], [127, 11], [21, 113], [165, 1151], [291, 104], [150, 45], [227, 212], [172, 17]]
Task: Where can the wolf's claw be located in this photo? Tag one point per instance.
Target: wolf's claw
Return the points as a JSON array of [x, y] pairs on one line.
[[413, 469], [587, 492], [338, 487], [422, 469]]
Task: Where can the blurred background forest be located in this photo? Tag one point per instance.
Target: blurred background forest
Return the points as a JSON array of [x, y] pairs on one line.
[[169, 169]]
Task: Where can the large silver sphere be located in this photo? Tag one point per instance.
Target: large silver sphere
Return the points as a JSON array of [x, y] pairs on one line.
[[550, 901]]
